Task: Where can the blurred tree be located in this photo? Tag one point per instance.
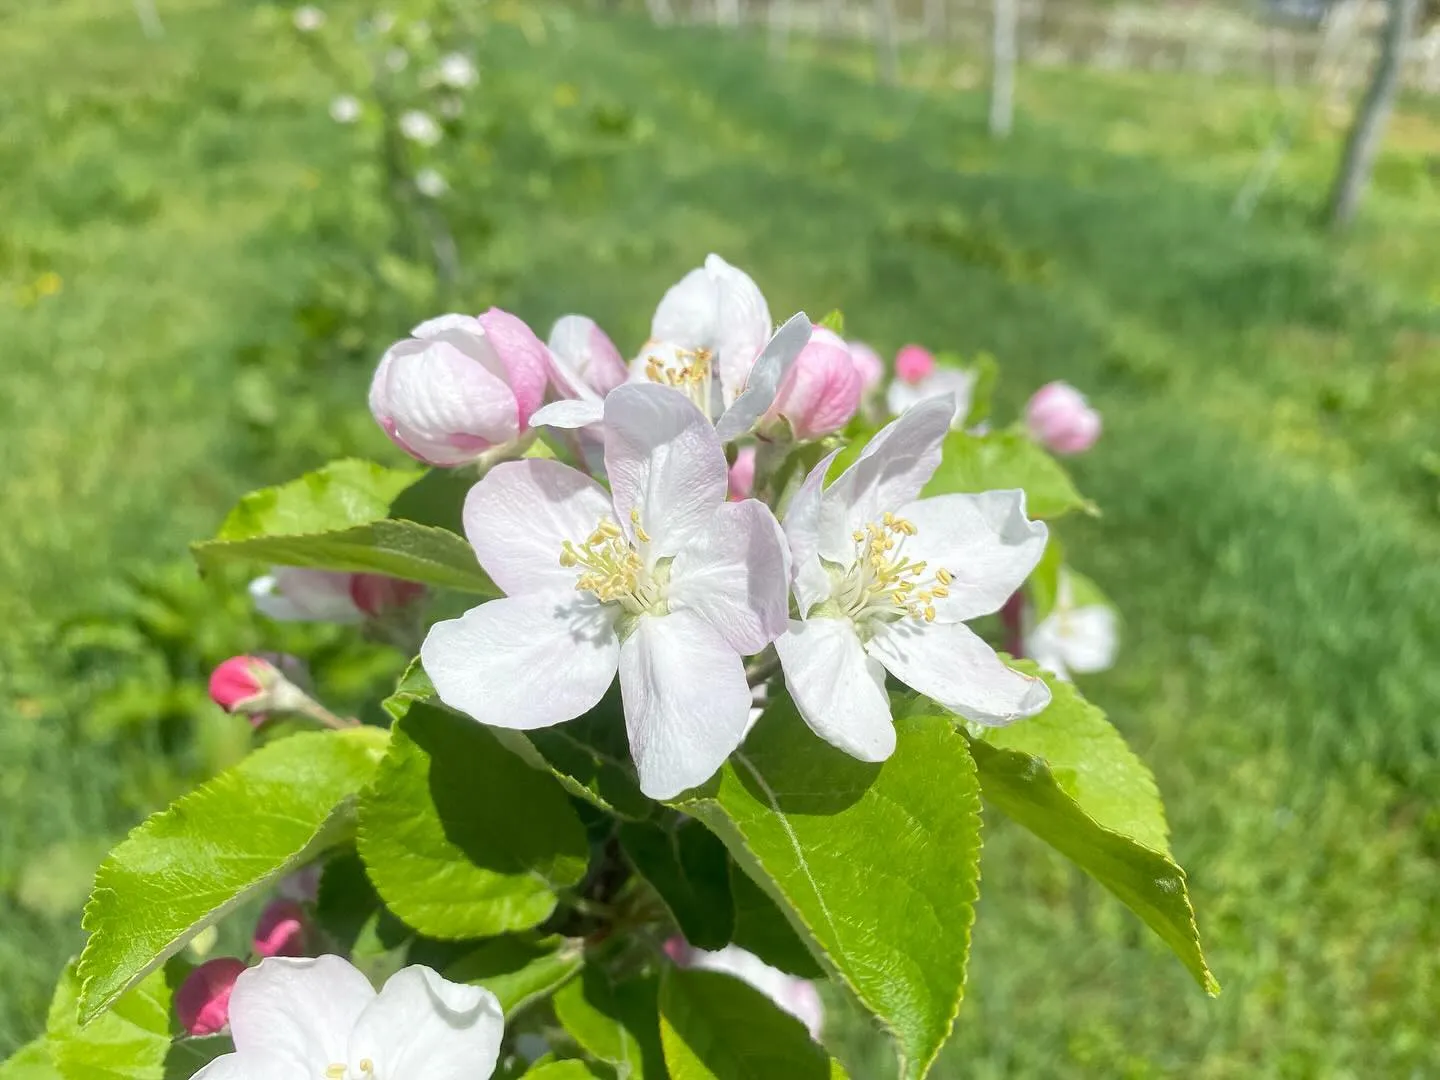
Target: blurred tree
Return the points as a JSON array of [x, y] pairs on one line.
[[1003, 53], [887, 60], [1368, 129]]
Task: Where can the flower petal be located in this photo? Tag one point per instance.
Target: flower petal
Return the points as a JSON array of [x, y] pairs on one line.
[[664, 463], [688, 312], [569, 414], [422, 1025], [742, 323], [524, 661], [890, 472], [441, 404], [756, 392], [298, 1011], [951, 664], [1082, 639], [296, 594], [585, 351], [735, 576], [255, 1065], [519, 516], [802, 530], [985, 541], [837, 688], [960, 385], [686, 701]]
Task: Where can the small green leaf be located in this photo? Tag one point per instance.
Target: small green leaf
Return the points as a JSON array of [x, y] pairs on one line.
[[561, 1070], [714, 1027], [689, 868], [184, 868], [130, 1042], [762, 928], [31, 1062], [834, 322], [460, 837], [414, 685], [340, 495], [520, 968], [617, 1023], [590, 756], [1043, 585], [1003, 460], [437, 498], [1146, 881], [876, 867]]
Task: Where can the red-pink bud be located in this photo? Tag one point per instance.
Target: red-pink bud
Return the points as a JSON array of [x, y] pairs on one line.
[[242, 682], [913, 363], [203, 1001], [1060, 419], [376, 594], [280, 930], [742, 474], [822, 389], [678, 950]]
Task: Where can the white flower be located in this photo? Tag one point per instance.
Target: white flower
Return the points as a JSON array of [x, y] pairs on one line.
[[419, 127], [710, 340], [308, 18], [661, 579], [457, 71], [430, 184], [320, 1019], [345, 109], [796, 996], [884, 581], [1083, 638], [294, 594]]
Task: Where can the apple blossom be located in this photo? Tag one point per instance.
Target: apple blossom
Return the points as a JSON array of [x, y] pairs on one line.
[[419, 127], [1079, 638], [868, 364], [1061, 420], [885, 580], [586, 359], [794, 995], [297, 1019], [660, 579], [821, 392], [202, 1001], [742, 474], [308, 18], [345, 109], [460, 386], [255, 686], [457, 71], [430, 183], [918, 378], [281, 929], [297, 594]]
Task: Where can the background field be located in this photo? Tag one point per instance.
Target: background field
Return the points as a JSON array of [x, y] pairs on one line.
[[192, 297]]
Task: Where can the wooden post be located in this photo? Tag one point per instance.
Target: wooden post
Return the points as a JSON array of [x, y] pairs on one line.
[[1003, 57]]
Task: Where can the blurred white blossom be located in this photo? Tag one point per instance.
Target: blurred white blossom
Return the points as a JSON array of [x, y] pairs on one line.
[[420, 127], [397, 59], [308, 18], [430, 183], [458, 71], [345, 109]]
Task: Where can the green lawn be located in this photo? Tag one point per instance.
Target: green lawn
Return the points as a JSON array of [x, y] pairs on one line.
[[1270, 473]]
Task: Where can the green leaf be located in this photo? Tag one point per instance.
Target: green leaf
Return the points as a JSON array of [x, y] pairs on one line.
[[986, 372], [461, 838], [188, 1056], [834, 322], [31, 1062], [184, 868], [1042, 587], [520, 969], [414, 685], [437, 498], [1003, 460], [761, 928], [617, 1023], [590, 756], [130, 1042], [1146, 881], [714, 1027], [340, 495], [876, 867], [689, 868], [561, 1070]]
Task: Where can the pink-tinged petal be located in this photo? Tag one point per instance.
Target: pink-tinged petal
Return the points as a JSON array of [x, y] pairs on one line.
[[890, 472], [665, 464], [735, 576], [868, 364], [241, 680], [822, 390], [298, 1011], [802, 531], [795, 996], [913, 363], [424, 1027], [985, 541], [742, 474], [754, 396], [377, 594], [526, 360], [202, 1003], [569, 415], [588, 352], [281, 929], [951, 664], [519, 516], [1060, 419], [256, 1065], [742, 324], [440, 404], [839, 690], [442, 325], [524, 662], [686, 701], [295, 594], [958, 384]]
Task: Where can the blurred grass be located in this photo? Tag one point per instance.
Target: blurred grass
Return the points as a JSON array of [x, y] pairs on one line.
[[1269, 473]]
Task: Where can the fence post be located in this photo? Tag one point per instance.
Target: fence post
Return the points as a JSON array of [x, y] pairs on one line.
[[1002, 67], [887, 48]]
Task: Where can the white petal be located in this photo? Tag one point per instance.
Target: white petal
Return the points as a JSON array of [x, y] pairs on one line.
[[837, 688], [1082, 639], [297, 594], [251, 1066], [524, 661], [985, 541], [742, 324], [298, 1011], [585, 352], [890, 472], [444, 404], [664, 462], [446, 324], [688, 312], [423, 1026], [735, 576], [802, 531], [521, 513], [686, 701], [952, 665], [756, 392], [569, 414], [960, 385]]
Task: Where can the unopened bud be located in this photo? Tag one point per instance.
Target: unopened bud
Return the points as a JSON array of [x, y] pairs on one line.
[[281, 930], [254, 686], [822, 389], [377, 595], [742, 474], [1061, 420], [203, 1001], [868, 363], [913, 363]]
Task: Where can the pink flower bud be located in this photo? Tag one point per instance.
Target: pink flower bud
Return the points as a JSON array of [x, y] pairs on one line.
[[376, 594], [243, 683], [460, 386], [585, 354], [742, 474], [822, 389], [868, 364], [203, 1001], [1060, 419], [678, 950], [281, 930], [913, 363]]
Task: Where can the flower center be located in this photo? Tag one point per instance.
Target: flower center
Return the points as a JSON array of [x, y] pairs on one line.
[[884, 584], [689, 373], [612, 569], [366, 1071]]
